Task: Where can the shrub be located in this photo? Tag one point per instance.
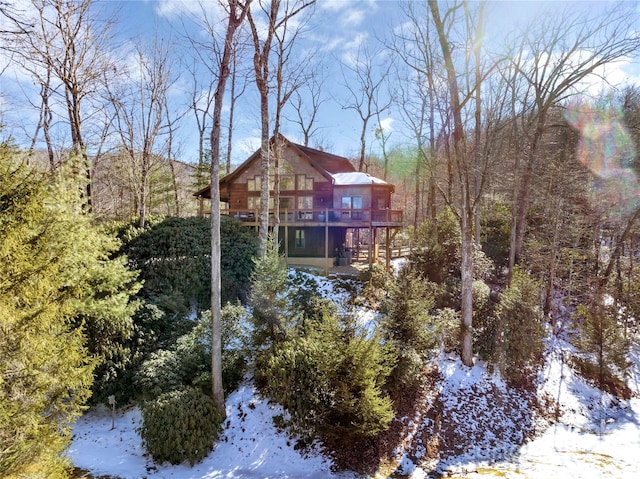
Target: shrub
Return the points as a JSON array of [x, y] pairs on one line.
[[602, 346], [180, 426], [174, 258], [521, 327], [409, 328], [496, 231], [330, 381], [486, 332], [188, 361], [449, 323], [437, 248], [268, 297]]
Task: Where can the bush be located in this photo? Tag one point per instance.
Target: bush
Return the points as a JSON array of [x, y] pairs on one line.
[[602, 346], [409, 328], [521, 327], [486, 332], [496, 232], [188, 362], [268, 298], [449, 323], [437, 248], [330, 381], [180, 426], [174, 258]]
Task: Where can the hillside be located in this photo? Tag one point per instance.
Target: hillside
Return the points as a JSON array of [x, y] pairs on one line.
[[469, 423]]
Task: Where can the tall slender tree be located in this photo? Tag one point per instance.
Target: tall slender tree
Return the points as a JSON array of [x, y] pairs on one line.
[[237, 12], [464, 169], [277, 14], [66, 45]]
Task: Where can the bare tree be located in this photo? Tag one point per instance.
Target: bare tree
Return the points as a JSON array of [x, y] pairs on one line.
[[277, 14], [418, 85], [65, 44], [201, 102], [464, 168], [307, 107], [364, 79], [143, 124], [555, 56], [237, 12]]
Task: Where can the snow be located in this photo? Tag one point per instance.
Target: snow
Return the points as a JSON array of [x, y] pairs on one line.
[[356, 178], [595, 435], [250, 446]]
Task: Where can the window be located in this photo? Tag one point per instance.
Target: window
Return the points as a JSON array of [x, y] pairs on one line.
[[253, 202], [304, 183], [352, 203], [254, 184], [286, 203], [299, 239], [286, 183], [305, 203]]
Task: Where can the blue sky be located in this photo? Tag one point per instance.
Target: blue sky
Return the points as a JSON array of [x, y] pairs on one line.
[[334, 34]]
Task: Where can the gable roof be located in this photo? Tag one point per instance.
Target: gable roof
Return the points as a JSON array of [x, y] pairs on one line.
[[325, 163]]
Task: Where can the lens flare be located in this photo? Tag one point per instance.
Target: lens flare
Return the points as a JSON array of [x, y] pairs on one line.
[[606, 148]]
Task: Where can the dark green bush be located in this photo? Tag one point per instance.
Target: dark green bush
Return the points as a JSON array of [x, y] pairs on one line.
[[174, 258], [409, 328], [436, 254], [188, 361], [520, 321], [180, 426], [495, 224], [486, 332], [602, 347], [330, 381], [268, 298]]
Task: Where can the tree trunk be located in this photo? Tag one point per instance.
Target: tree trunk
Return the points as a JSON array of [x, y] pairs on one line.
[[217, 390], [466, 210]]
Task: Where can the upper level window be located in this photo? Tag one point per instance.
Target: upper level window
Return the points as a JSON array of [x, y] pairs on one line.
[[304, 183], [253, 203], [352, 202], [286, 183], [254, 184]]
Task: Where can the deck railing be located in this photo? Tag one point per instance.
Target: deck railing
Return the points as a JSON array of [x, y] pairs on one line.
[[328, 216]]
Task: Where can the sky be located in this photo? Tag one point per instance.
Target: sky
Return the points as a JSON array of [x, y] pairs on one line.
[[333, 35]]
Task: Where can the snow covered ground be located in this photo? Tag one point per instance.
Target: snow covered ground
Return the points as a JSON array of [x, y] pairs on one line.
[[595, 436]]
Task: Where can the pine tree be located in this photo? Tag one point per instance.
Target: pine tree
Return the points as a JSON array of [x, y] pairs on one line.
[[520, 328], [55, 279], [602, 345]]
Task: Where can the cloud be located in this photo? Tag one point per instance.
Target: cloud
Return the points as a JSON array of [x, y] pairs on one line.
[[175, 8], [387, 125], [352, 18]]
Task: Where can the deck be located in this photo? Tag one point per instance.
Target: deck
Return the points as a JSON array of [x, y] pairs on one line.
[[332, 217]]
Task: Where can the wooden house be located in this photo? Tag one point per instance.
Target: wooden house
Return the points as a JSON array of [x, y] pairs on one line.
[[327, 209]]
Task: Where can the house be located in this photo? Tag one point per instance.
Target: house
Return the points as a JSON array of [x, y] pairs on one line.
[[327, 209]]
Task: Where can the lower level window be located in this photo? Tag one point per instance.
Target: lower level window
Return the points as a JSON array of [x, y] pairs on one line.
[[299, 238]]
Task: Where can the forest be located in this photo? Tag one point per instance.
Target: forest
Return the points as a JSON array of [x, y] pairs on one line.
[[517, 173]]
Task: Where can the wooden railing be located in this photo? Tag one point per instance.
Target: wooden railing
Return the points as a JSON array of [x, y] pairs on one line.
[[323, 216]]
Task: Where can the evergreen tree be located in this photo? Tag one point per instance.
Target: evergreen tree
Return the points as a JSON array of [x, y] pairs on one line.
[[409, 327], [520, 328], [56, 281], [602, 346], [268, 296]]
